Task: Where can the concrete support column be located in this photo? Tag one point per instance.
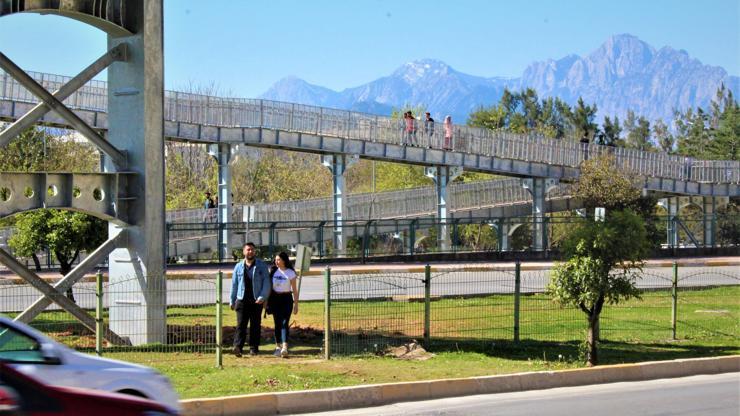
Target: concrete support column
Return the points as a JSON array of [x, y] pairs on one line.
[[337, 165], [710, 221], [222, 153], [538, 188], [671, 204], [442, 176], [135, 118], [503, 229]]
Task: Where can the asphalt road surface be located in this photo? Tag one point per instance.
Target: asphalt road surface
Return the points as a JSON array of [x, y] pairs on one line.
[[715, 395], [202, 291]]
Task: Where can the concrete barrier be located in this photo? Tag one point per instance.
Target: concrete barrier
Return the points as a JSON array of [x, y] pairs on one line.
[[380, 394]]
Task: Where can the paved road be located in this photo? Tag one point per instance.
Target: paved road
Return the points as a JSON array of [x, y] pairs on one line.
[[716, 395], [200, 291]]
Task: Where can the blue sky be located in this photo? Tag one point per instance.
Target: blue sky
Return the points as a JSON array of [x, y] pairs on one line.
[[242, 47]]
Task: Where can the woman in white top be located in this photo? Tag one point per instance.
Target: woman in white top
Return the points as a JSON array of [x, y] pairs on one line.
[[283, 300]]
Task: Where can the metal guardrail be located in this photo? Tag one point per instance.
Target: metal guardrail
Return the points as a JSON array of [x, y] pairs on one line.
[[389, 204], [239, 112]]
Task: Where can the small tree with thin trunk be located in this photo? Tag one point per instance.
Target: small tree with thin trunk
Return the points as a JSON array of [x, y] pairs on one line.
[[604, 257], [64, 233]]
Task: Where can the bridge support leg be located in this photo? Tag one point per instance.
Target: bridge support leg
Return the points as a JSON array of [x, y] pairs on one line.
[[337, 165], [538, 188], [710, 220], [138, 299], [442, 176], [222, 153], [671, 205], [502, 235]]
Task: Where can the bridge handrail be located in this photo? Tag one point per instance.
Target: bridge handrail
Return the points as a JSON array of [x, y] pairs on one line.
[[388, 204], [245, 113]]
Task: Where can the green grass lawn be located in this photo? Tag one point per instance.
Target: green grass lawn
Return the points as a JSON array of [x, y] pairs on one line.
[[470, 337]]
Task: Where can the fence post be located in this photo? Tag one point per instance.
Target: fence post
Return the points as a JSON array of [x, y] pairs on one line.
[[427, 305], [99, 314], [327, 313], [219, 319], [674, 300], [517, 295]]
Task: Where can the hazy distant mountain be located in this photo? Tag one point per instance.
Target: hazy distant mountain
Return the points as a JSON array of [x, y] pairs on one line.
[[623, 73]]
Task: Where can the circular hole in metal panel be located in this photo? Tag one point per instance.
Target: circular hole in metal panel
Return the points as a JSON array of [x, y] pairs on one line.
[[76, 192], [5, 194], [52, 190], [28, 192], [98, 194]]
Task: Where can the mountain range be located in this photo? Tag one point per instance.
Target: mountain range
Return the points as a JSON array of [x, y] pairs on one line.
[[623, 73]]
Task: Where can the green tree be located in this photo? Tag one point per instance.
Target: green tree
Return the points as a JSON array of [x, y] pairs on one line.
[[693, 133], [604, 262], [582, 119], [612, 131], [639, 136], [604, 256], [728, 224], [663, 136], [601, 184], [523, 112], [64, 233], [726, 143]]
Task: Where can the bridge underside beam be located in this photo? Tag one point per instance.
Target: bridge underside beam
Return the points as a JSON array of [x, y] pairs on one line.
[[115, 18], [100, 194]]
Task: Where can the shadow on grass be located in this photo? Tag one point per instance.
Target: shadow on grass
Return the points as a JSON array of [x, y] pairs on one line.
[[202, 339], [610, 352]]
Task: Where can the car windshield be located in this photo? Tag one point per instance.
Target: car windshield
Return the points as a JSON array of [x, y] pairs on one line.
[[17, 347]]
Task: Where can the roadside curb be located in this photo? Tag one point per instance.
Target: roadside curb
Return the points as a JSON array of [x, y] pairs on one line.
[[381, 394]]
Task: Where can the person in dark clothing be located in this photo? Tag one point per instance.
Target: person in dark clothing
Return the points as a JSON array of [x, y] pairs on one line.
[[429, 129], [208, 208], [250, 289]]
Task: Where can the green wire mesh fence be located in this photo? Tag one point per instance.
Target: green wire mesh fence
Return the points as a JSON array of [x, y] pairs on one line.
[[371, 311]]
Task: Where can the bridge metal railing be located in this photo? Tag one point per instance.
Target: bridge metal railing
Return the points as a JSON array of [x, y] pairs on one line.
[[239, 112], [389, 204]]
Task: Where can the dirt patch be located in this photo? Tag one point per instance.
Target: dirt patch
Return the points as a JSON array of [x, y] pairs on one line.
[[410, 351]]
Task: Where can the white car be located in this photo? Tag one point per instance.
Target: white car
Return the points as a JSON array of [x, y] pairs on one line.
[[32, 353]]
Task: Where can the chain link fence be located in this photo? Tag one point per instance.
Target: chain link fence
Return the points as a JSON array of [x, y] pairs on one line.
[[371, 311]]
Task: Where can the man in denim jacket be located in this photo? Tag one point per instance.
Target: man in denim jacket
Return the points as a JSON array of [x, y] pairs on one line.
[[250, 288]]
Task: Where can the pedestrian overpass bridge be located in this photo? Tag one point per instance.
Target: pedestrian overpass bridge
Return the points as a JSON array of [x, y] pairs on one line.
[[341, 137], [126, 119]]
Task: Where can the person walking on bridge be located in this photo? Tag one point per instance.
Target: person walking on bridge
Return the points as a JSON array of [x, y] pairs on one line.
[[448, 133], [250, 289], [410, 128], [428, 128]]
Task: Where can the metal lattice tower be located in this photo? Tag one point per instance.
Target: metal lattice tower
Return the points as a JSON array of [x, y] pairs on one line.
[[130, 192]]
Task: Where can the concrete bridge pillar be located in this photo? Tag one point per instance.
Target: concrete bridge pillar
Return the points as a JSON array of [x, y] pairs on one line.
[[337, 165], [222, 153], [538, 188], [710, 220], [138, 298], [442, 176], [671, 205], [503, 231]]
